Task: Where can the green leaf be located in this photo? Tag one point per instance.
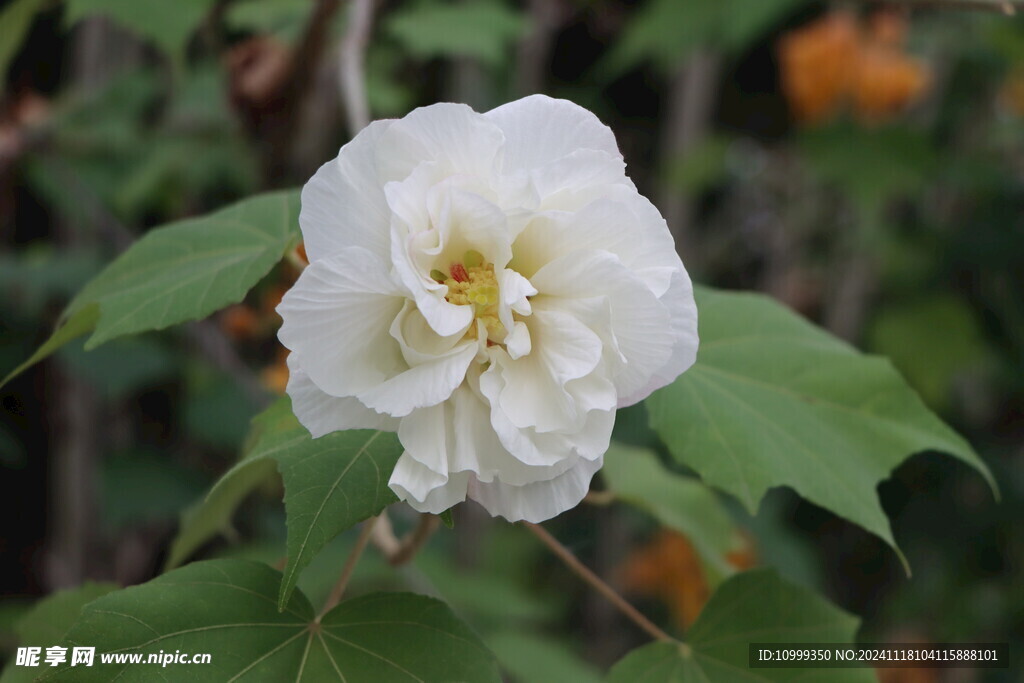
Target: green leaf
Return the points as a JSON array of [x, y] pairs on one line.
[[932, 362], [183, 271], [533, 657], [484, 30], [168, 25], [775, 401], [666, 31], [331, 483], [49, 619], [751, 607], [16, 19], [872, 165], [681, 503], [228, 608], [447, 519]]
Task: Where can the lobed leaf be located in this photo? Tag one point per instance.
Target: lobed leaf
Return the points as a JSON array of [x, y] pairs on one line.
[[228, 608], [45, 624], [775, 401], [755, 606]]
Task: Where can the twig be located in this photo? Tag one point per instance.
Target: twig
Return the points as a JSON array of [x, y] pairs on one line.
[[416, 539], [353, 57], [350, 566], [383, 537], [578, 568]]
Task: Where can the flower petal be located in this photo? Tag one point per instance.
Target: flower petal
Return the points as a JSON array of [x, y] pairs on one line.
[[422, 385], [539, 130], [538, 501], [683, 324], [343, 204], [322, 413], [460, 140], [336, 321], [534, 393], [640, 322]]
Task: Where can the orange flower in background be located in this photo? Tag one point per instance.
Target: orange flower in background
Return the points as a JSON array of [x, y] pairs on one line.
[[836, 62], [817, 65], [669, 568]]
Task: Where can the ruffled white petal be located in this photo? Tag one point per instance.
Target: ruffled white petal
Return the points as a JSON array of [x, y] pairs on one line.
[[461, 141], [539, 130], [641, 330], [336, 322], [322, 413], [343, 204], [422, 385], [540, 500]]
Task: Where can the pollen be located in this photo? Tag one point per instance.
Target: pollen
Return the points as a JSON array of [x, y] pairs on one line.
[[473, 283]]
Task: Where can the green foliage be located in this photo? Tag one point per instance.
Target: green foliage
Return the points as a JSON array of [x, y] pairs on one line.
[[906, 333], [331, 483], [183, 271], [751, 607], [666, 31], [535, 657], [168, 25], [681, 503], [47, 622], [848, 155], [483, 30], [775, 401], [16, 18], [228, 608]]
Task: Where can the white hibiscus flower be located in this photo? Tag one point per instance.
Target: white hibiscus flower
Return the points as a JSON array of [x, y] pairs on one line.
[[492, 287]]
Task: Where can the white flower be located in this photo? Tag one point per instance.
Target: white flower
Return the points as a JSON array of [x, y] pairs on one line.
[[492, 286]]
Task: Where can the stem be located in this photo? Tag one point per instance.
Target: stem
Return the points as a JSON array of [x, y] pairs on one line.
[[416, 539], [350, 566], [578, 568]]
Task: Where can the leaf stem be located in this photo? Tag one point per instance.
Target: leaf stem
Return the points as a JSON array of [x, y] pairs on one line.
[[415, 540], [581, 570], [350, 566]]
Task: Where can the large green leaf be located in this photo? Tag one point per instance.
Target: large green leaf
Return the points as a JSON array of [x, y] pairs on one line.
[[775, 401], [183, 271], [46, 623], [331, 483], [167, 24], [228, 608], [681, 503], [753, 607]]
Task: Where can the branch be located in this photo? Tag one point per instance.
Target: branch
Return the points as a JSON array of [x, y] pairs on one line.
[[353, 58], [415, 540], [350, 566], [578, 568]]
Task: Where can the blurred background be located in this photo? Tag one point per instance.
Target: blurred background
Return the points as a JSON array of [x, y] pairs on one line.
[[860, 161]]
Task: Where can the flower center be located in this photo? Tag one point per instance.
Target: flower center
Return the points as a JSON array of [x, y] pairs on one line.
[[471, 282]]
